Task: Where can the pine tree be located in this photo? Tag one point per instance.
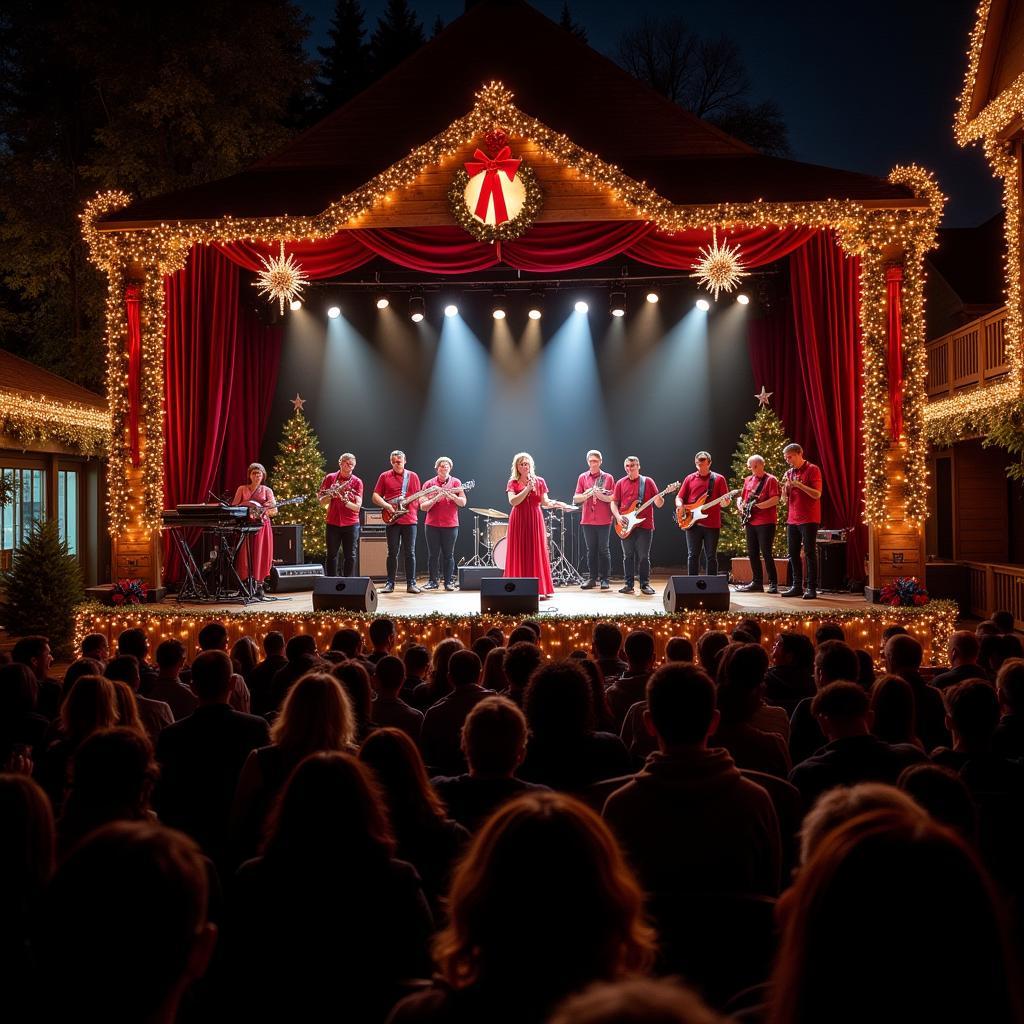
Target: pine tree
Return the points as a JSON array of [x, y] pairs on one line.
[[398, 35], [345, 70], [765, 436], [299, 469], [569, 23], [42, 587]]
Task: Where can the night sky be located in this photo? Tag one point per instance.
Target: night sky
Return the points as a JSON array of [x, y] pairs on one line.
[[862, 87]]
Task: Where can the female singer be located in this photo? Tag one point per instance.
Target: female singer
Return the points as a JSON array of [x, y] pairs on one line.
[[258, 548], [527, 538]]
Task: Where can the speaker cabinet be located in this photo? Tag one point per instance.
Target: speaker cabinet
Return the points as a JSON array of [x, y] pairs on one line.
[[373, 557], [510, 595], [689, 592], [470, 576], [287, 544], [351, 593], [831, 565], [290, 579]]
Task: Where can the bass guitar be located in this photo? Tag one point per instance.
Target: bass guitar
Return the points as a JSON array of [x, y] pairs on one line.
[[631, 514], [689, 515], [401, 505]]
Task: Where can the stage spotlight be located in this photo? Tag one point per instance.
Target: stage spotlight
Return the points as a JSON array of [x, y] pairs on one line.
[[536, 310], [417, 309], [451, 310], [383, 302], [617, 301], [703, 305], [498, 310], [581, 307], [295, 304], [652, 297], [334, 312], [742, 299]]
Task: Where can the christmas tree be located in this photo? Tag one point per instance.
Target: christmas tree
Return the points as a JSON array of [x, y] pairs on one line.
[[765, 436], [40, 590], [299, 469]]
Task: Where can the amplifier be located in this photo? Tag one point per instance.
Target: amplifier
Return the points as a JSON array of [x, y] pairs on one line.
[[287, 544], [373, 557], [831, 536], [372, 520], [287, 579]]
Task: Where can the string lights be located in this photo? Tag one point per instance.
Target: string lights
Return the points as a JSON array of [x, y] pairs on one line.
[[875, 234], [31, 420]]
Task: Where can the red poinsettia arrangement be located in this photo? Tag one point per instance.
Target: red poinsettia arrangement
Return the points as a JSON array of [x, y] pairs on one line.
[[904, 591], [129, 592]]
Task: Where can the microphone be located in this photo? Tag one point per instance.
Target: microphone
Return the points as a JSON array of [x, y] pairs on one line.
[[220, 501]]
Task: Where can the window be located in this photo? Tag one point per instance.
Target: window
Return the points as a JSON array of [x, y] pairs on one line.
[[67, 508], [27, 505]]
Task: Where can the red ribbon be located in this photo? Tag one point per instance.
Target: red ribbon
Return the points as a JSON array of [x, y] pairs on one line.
[[894, 325], [491, 187], [132, 301]]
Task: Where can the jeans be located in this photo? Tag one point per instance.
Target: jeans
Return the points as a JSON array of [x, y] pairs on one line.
[[346, 539], [804, 535], [401, 538], [698, 537], [441, 552], [599, 556], [759, 542], [636, 553]]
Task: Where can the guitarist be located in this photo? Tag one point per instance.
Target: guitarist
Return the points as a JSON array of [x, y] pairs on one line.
[[442, 524], [397, 482], [634, 489], [594, 493], [757, 504], [801, 487], [342, 492], [696, 489]]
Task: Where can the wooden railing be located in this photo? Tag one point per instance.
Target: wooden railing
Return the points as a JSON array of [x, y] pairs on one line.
[[994, 587], [971, 356]]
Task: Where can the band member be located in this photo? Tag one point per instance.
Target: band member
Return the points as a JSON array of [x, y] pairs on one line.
[[634, 489], [594, 492], [442, 524], [801, 488], [758, 500], [397, 482], [256, 555], [342, 492], [701, 487], [527, 538]]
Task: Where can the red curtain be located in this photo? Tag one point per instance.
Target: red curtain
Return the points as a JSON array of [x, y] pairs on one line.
[[220, 377], [894, 296], [133, 316]]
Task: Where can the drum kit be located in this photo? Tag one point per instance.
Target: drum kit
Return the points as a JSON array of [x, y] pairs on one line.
[[490, 542]]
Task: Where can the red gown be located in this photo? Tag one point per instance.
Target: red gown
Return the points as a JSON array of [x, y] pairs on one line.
[[261, 544], [527, 553]]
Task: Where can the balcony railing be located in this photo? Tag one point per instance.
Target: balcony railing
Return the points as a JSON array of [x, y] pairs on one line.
[[995, 587], [972, 356]]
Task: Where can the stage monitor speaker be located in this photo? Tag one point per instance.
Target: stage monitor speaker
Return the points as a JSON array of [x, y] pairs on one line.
[[689, 592], [352, 593], [287, 543], [289, 579], [510, 595], [373, 557], [471, 575], [831, 565]]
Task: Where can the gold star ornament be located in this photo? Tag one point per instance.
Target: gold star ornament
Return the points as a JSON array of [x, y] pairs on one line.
[[719, 267], [281, 278]]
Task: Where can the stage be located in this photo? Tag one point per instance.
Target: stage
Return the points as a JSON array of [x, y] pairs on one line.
[[567, 619]]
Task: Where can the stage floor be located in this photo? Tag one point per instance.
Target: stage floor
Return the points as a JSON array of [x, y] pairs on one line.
[[567, 601]]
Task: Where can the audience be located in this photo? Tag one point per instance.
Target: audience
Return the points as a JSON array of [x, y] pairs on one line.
[[994, 650], [606, 645], [168, 687], [134, 642], [438, 685], [1004, 620], [493, 677], [521, 661], [417, 662], [628, 688], [355, 681], [155, 715], [903, 655], [34, 652], [944, 795], [962, 653], [710, 645], [245, 656], [442, 724], [127, 708], [834, 661], [635, 1001], [383, 635], [603, 720], [790, 679], [95, 646], [828, 631], [388, 708], [679, 648], [1009, 735], [893, 711], [261, 679], [23, 731], [301, 659], [214, 637]]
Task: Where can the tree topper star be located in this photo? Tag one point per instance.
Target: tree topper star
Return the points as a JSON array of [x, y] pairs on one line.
[[764, 396], [298, 402]]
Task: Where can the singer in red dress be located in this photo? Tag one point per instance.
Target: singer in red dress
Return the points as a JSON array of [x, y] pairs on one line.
[[527, 538], [258, 548]]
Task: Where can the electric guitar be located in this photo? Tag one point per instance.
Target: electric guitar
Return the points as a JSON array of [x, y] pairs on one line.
[[259, 513], [401, 505], [690, 515], [631, 514]]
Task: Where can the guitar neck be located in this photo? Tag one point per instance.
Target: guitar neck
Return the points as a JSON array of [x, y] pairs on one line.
[[651, 501]]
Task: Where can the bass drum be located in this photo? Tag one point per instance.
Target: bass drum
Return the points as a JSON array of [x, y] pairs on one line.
[[500, 552]]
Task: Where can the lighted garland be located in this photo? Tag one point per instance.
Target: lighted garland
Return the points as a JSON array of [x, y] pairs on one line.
[[514, 227], [860, 229], [931, 624], [70, 424]]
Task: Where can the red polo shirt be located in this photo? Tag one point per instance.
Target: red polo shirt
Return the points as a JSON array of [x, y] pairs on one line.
[[762, 516], [626, 492], [595, 511], [695, 487], [802, 507], [389, 485], [338, 514], [443, 513]]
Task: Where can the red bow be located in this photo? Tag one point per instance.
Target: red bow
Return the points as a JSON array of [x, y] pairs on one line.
[[491, 186]]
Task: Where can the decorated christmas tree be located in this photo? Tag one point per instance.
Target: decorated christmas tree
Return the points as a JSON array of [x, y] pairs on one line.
[[765, 436], [299, 469], [40, 590]]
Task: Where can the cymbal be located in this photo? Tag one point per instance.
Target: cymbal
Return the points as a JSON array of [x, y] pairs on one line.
[[490, 513]]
